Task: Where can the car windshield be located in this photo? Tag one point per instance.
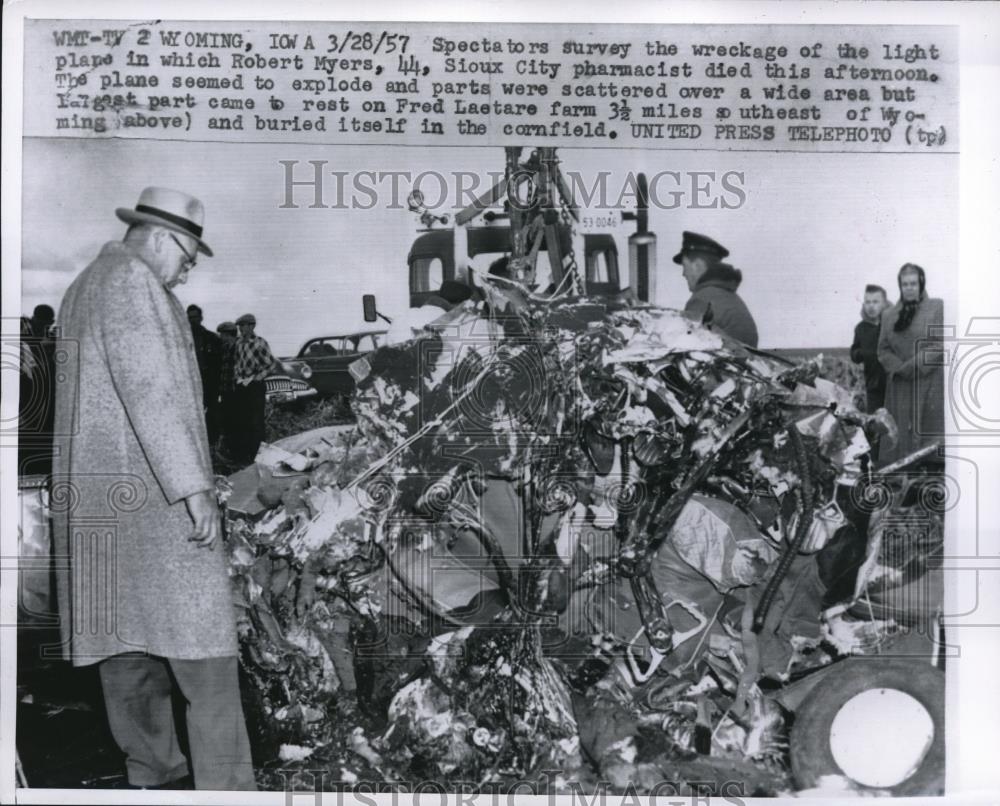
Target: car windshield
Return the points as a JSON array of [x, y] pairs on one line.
[[320, 348], [341, 345]]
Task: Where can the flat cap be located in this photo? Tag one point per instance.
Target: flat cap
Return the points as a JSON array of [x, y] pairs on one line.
[[247, 319], [693, 243], [226, 327]]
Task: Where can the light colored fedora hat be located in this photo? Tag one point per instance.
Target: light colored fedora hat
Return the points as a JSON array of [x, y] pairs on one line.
[[171, 209]]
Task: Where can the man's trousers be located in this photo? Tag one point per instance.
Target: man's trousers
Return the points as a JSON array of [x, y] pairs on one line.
[[248, 404], [137, 694]]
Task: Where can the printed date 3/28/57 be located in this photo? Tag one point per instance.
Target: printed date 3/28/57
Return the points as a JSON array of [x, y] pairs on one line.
[[384, 42]]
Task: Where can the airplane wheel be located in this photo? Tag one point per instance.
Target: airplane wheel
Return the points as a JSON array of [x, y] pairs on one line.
[[878, 722]]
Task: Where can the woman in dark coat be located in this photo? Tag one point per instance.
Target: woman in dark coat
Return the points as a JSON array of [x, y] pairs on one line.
[[909, 349]]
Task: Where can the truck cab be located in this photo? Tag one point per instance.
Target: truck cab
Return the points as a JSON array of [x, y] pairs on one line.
[[532, 211], [432, 259]]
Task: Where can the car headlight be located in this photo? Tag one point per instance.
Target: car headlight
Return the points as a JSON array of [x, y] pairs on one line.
[[297, 369]]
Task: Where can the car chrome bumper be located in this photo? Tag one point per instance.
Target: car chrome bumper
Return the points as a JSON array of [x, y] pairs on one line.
[[289, 397]]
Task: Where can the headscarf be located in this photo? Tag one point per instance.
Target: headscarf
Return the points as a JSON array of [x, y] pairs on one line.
[[909, 309]]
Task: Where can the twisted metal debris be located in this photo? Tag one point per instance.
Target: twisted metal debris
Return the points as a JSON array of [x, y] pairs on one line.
[[553, 515]]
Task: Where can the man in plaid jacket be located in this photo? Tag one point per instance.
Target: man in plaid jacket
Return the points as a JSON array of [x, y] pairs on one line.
[[254, 362]]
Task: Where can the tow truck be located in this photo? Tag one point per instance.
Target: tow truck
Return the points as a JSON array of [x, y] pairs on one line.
[[529, 212]]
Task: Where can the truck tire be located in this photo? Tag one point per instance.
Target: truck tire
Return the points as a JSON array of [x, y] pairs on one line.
[[810, 740]]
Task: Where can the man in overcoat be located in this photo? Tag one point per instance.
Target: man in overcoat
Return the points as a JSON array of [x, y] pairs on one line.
[[208, 351], [228, 417], [142, 577]]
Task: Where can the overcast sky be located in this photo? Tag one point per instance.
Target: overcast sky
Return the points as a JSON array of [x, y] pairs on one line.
[[814, 228]]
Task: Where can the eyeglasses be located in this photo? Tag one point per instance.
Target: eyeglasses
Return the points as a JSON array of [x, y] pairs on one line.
[[192, 260]]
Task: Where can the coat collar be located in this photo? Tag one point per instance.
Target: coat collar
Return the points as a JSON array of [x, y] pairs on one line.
[[119, 250], [721, 275]]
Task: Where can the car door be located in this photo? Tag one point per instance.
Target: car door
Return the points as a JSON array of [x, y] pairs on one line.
[[325, 358], [330, 357]]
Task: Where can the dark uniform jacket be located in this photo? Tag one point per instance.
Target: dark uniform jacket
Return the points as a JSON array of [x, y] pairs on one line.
[[730, 314]]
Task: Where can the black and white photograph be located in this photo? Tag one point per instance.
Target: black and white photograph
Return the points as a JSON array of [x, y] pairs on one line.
[[500, 403]]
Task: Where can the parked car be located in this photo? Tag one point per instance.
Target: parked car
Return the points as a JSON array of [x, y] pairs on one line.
[[320, 368], [283, 389]]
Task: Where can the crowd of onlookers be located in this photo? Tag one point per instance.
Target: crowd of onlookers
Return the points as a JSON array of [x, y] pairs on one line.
[[233, 363], [36, 409], [898, 344]]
